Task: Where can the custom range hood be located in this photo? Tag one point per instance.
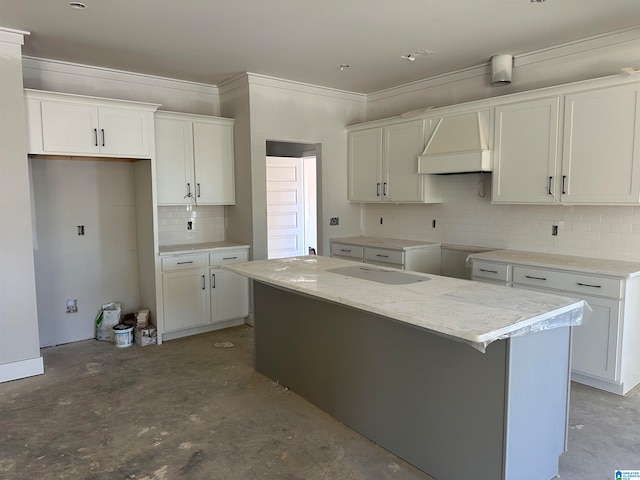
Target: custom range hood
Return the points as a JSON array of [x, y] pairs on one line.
[[459, 144]]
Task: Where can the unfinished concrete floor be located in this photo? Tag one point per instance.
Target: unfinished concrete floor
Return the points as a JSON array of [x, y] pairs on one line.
[[187, 409]]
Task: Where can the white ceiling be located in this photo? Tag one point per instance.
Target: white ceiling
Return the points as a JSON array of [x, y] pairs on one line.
[[210, 41]]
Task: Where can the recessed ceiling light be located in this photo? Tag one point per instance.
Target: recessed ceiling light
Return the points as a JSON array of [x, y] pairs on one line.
[[77, 5], [344, 66], [536, 1]]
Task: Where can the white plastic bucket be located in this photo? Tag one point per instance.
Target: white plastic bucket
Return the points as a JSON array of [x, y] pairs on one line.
[[123, 335]]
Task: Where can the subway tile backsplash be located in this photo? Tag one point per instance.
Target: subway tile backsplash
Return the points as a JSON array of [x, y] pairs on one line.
[[208, 224], [465, 218]]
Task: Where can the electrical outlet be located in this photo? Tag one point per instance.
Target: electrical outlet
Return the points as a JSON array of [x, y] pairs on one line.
[[333, 221], [554, 230], [189, 225], [80, 230], [72, 305]]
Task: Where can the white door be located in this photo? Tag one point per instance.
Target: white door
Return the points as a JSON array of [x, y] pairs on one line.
[[402, 145], [123, 131], [70, 128], [213, 163], [285, 207]]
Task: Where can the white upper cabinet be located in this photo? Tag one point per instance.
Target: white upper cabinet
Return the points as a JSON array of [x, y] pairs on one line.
[[194, 159], [383, 164], [365, 165], [601, 154], [63, 124], [525, 156], [597, 162]]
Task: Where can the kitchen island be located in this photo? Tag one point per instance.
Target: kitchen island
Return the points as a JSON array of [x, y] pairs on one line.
[[461, 379]]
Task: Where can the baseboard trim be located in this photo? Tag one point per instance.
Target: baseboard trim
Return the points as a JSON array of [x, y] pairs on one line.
[[21, 369]]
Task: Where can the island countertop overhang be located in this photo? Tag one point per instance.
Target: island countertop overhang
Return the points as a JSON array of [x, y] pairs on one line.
[[471, 312]]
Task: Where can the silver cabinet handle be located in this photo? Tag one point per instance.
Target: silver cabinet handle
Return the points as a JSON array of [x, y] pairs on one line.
[[102, 131], [564, 179], [488, 271], [203, 282], [587, 285], [188, 195], [95, 135], [198, 190], [550, 182], [384, 189], [229, 258], [378, 189], [345, 250], [381, 256], [184, 263], [213, 280], [535, 278]]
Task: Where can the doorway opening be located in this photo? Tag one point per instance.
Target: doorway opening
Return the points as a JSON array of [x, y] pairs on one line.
[[292, 199]]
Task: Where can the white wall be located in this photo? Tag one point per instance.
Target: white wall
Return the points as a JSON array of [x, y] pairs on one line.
[[293, 112], [591, 58], [173, 95], [96, 268], [19, 352]]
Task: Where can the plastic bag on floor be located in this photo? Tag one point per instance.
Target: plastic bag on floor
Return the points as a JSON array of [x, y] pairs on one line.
[[108, 317]]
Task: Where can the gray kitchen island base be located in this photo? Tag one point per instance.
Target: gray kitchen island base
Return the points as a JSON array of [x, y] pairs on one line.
[[441, 405]]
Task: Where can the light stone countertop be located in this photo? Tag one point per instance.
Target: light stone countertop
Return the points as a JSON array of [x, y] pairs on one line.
[[199, 247], [472, 312], [384, 242], [615, 268]]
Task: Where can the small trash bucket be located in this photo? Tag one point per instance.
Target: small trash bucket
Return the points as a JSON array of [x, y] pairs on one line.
[[123, 335]]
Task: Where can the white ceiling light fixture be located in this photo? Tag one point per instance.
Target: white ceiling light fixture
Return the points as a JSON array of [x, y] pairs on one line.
[[77, 5], [501, 68], [344, 66], [408, 57]]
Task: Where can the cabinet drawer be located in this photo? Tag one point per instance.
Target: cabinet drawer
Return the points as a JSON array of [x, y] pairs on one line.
[[182, 262], [568, 281], [228, 256], [384, 255], [342, 250], [490, 270]]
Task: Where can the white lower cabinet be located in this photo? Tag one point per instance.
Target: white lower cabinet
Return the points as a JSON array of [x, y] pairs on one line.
[[185, 299], [425, 259], [604, 351], [199, 295]]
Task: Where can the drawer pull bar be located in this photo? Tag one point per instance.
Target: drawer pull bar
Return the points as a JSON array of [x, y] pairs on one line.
[[203, 282], [345, 250], [587, 285], [229, 258], [488, 271], [535, 278], [381, 256], [213, 280], [184, 263]]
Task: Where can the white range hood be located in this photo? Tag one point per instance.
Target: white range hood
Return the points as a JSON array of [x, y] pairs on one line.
[[459, 144]]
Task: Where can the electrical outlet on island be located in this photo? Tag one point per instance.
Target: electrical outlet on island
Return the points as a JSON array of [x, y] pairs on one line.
[[333, 221]]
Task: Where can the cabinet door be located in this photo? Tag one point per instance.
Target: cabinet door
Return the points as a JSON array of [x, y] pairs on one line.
[[365, 163], [213, 160], [185, 299], [69, 128], [595, 342], [229, 295], [403, 143], [601, 151], [525, 157], [124, 132], [174, 161]]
